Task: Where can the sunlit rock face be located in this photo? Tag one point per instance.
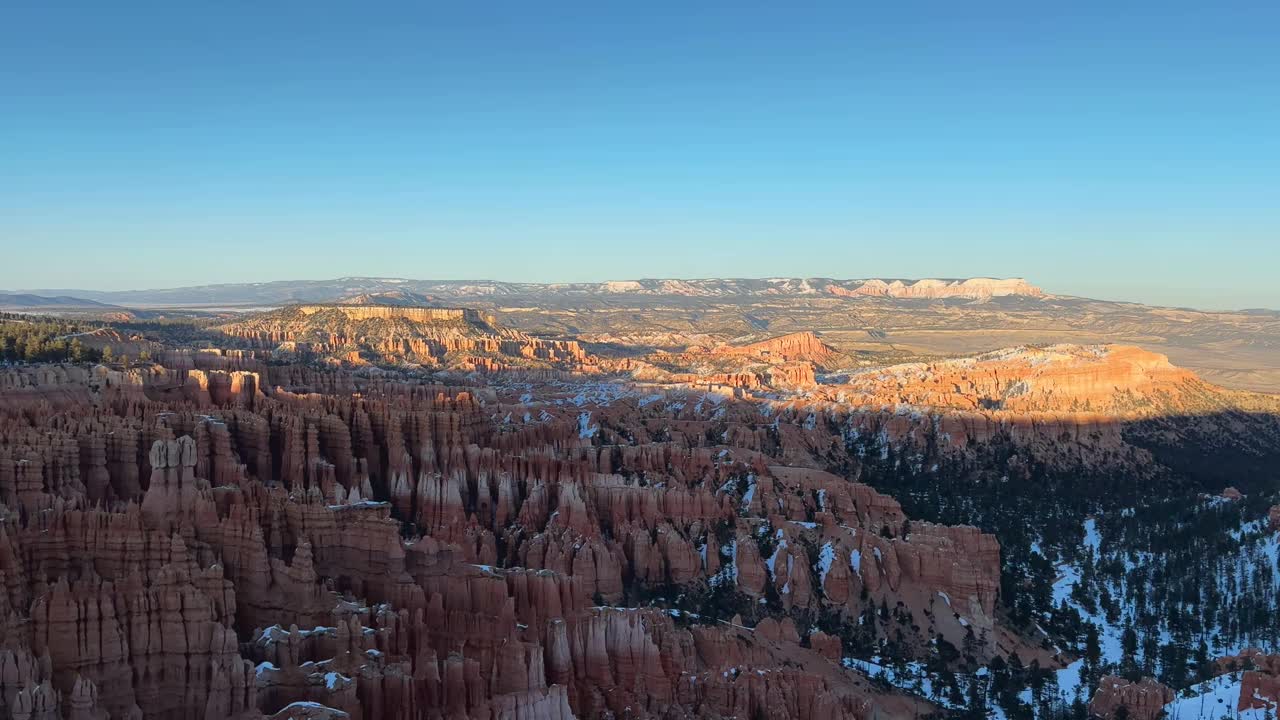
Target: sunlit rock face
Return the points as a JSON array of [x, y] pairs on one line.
[[1110, 380]]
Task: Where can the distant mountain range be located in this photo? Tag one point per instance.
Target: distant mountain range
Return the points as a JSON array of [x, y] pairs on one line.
[[32, 301], [292, 291]]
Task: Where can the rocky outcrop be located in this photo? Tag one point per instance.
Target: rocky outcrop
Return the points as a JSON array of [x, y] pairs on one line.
[[428, 315], [1118, 381], [1143, 700], [1259, 679], [785, 348], [352, 333], [58, 385], [174, 490]]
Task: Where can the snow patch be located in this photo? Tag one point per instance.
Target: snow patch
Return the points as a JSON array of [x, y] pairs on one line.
[[585, 429]]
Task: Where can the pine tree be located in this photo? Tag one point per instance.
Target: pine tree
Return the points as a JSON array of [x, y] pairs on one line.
[[1129, 654]]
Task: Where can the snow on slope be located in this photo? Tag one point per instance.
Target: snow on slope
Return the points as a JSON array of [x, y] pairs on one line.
[[1213, 700]]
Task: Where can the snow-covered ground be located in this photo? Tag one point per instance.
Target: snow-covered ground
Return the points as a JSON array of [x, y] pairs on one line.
[[586, 430], [1208, 696], [1109, 634], [1213, 700], [912, 678]]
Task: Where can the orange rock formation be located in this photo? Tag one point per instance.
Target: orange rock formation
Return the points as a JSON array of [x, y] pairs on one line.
[[1143, 700], [280, 540]]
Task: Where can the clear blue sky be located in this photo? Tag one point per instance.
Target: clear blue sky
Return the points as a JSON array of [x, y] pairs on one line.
[[1120, 150]]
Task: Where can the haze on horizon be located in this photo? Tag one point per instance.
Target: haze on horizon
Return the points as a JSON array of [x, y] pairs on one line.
[[1123, 153]]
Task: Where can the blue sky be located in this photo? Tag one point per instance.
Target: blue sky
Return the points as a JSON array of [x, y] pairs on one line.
[[1117, 150]]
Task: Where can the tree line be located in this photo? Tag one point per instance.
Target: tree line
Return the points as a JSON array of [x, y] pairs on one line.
[[33, 340]]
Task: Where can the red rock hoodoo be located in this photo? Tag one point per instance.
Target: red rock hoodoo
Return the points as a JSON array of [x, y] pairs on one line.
[[272, 540], [1143, 700]]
